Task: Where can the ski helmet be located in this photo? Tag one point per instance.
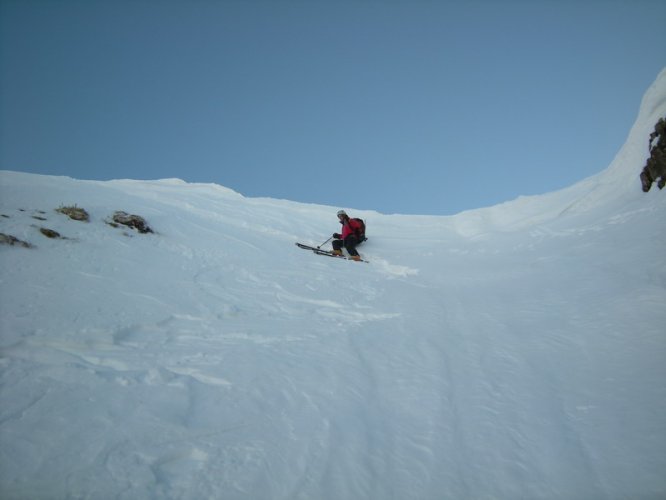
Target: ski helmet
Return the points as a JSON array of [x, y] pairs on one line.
[[342, 212]]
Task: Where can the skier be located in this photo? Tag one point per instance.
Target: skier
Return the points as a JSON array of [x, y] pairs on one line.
[[350, 236]]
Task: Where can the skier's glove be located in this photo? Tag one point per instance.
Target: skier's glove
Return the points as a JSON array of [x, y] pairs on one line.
[[337, 236]]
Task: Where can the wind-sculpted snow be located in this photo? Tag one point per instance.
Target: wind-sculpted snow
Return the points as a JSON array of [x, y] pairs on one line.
[[510, 352]]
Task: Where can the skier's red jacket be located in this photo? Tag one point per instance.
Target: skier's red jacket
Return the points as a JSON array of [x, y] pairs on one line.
[[350, 226]]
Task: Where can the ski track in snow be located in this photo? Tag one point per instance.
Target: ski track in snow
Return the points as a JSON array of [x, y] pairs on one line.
[[509, 352]]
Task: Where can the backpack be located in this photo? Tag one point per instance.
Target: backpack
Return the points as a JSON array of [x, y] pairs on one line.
[[360, 232]]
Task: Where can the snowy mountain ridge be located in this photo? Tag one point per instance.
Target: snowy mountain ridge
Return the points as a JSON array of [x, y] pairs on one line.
[[617, 181], [508, 352]]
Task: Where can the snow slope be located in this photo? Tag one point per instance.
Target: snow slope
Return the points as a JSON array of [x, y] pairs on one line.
[[515, 351]]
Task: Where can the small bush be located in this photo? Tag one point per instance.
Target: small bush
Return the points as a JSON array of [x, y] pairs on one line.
[[74, 213]]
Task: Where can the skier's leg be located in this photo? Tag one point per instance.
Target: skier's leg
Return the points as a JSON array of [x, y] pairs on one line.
[[337, 247], [350, 245]]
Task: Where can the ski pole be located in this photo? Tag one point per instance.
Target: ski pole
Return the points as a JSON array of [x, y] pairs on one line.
[[324, 242]]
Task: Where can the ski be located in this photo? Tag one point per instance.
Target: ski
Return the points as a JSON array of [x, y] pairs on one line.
[[327, 253]]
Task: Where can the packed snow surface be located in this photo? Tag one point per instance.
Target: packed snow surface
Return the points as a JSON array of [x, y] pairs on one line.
[[516, 351]]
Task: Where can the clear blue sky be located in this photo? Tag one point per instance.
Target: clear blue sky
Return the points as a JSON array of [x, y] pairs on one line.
[[413, 107]]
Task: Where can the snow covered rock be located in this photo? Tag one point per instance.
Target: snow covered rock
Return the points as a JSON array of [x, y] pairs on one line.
[[655, 168], [49, 233], [133, 221], [8, 239]]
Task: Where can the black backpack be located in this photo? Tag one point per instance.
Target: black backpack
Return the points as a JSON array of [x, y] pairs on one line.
[[360, 233]]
